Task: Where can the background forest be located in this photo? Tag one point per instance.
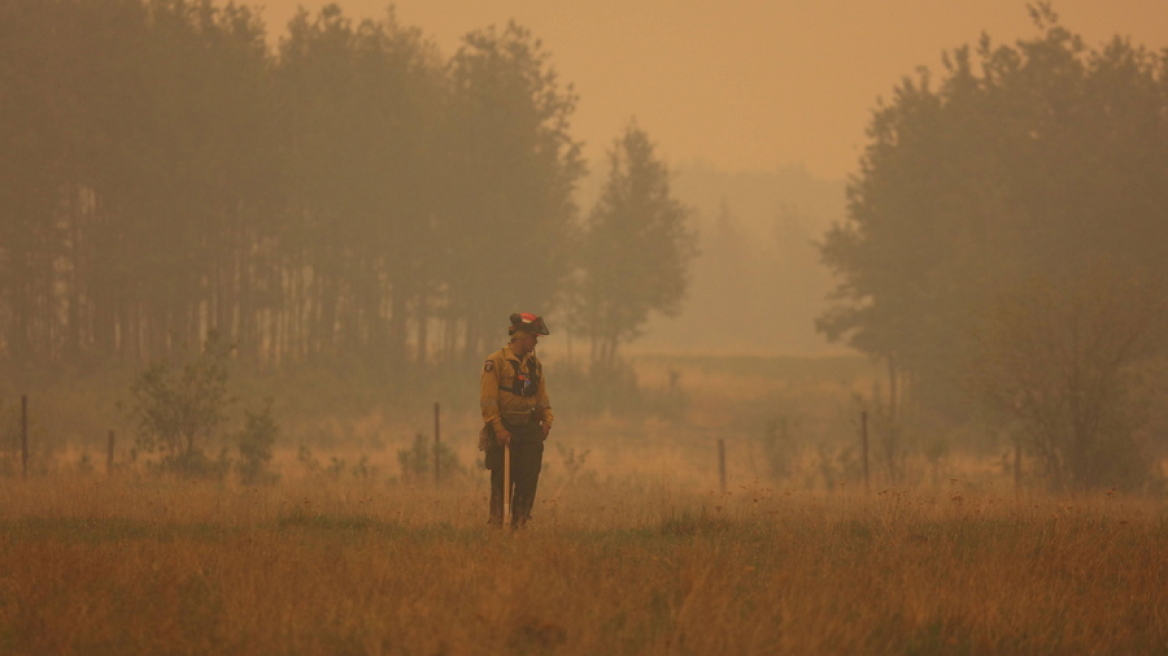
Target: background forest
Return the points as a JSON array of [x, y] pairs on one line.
[[352, 200], [355, 212]]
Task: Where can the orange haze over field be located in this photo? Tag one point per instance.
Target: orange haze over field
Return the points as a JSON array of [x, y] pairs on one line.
[[748, 84]]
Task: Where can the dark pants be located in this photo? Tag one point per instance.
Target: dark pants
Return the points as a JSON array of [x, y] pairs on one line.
[[526, 461]]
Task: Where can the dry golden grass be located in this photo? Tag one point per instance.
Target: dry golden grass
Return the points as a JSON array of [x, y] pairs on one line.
[[638, 554], [313, 565]]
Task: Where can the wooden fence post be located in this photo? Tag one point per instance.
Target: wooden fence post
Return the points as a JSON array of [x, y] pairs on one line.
[[864, 447], [722, 463], [1017, 470], [109, 458], [437, 439], [24, 436]]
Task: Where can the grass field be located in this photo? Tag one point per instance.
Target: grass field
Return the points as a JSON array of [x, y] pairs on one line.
[[638, 552], [316, 566]]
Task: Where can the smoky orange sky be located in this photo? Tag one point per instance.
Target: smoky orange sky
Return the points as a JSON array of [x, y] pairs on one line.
[[745, 84]]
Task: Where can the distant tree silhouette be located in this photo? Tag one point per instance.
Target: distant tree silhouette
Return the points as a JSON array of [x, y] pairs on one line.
[[635, 251], [507, 220], [1065, 359], [1039, 157]]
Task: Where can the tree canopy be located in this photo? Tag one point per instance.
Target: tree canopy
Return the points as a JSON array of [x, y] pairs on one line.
[[635, 251], [352, 196], [1044, 156], [1067, 361]]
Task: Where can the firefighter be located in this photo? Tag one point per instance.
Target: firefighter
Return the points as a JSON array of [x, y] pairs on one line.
[[516, 412]]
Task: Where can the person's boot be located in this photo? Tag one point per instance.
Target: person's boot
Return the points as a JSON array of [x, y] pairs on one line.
[[519, 520]]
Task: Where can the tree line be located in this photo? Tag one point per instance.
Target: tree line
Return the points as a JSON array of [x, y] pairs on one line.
[[1005, 238], [352, 196]]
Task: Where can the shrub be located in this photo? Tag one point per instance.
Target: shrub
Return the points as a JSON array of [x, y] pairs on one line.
[[417, 462], [177, 410], [255, 445]]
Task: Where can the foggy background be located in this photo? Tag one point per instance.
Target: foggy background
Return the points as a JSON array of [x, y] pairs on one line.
[[844, 297], [914, 211], [748, 86], [760, 107]]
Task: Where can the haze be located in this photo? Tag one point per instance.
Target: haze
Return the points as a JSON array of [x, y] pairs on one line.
[[765, 83]]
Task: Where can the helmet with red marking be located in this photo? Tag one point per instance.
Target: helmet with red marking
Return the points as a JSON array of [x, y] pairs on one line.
[[528, 323]]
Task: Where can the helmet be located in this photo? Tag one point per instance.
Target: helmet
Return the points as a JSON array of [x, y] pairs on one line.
[[528, 323]]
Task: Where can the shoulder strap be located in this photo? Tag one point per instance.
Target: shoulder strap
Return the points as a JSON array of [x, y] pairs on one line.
[[533, 368]]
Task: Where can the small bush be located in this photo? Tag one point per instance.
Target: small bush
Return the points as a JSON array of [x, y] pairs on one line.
[[196, 464], [255, 445], [417, 462], [177, 410], [778, 447], [573, 460], [307, 460]]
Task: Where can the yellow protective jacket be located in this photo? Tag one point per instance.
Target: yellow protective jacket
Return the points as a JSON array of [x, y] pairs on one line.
[[513, 390]]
